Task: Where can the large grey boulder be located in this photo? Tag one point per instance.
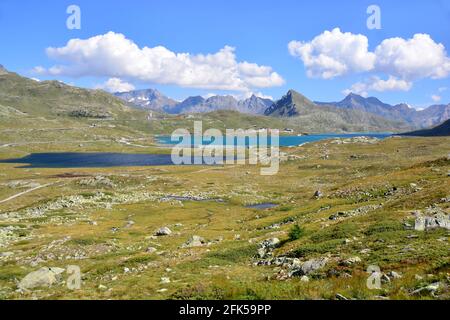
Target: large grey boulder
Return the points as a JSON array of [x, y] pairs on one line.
[[44, 277], [439, 220], [313, 265], [309, 267]]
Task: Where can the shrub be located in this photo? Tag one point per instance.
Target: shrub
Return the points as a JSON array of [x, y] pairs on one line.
[[295, 233]]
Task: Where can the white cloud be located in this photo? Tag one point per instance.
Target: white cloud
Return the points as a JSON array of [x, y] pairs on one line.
[[39, 70], [416, 58], [442, 89], [248, 94], [241, 95], [113, 55], [334, 53], [379, 85], [435, 98], [116, 85]]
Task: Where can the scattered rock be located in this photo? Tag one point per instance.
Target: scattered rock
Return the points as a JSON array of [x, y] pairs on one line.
[[98, 181], [318, 194], [385, 278], [165, 280], [351, 261], [6, 254], [22, 184], [431, 288], [340, 297], [194, 241], [394, 275], [304, 279], [164, 231], [151, 250], [266, 247]]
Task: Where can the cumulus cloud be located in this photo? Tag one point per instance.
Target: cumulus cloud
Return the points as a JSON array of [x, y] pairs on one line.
[[435, 98], [334, 53], [379, 85], [116, 85], [415, 58], [113, 55]]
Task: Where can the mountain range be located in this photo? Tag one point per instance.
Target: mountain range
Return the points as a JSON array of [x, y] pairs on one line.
[[23, 97], [293, 104], [425, 118], [154, 100]]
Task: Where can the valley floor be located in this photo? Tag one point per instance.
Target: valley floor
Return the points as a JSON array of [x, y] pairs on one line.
[[104, 221]]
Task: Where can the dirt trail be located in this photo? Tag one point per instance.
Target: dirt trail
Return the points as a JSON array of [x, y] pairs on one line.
[[25, 192]]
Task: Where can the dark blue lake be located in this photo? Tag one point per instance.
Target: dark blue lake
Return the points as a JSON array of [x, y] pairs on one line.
[[90, 160], [99, 160]]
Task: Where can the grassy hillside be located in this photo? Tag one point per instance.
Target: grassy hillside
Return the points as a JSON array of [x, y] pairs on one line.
[[441, 130], [104, 220]]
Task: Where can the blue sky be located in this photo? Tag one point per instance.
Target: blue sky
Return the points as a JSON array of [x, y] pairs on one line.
[[260, 32]]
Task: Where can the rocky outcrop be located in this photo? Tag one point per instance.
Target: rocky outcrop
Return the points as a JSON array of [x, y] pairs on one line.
[[266, 248], [438, 220], [44, 277]]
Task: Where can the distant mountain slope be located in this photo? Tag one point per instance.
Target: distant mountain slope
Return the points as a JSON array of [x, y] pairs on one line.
[[434, 114], [148, 99], [54, 98], [255, 105], [154, 100], [402, 112], [187, 104], [438, 131], [3, 71], [53, 110], [213, 103], [290, 105], [303, 113]]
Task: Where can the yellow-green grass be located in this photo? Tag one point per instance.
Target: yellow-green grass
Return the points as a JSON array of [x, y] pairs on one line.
[[224, 269]]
